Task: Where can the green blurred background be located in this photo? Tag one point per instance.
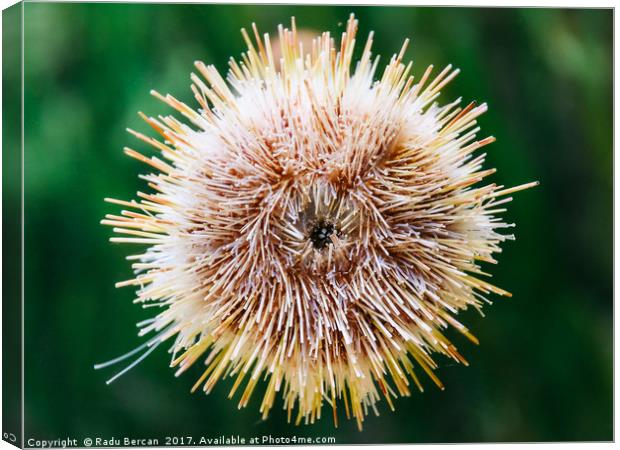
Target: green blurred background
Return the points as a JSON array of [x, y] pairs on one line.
[[543, 371]]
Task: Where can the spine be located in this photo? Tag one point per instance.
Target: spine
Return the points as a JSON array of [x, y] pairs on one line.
[[12, 217]]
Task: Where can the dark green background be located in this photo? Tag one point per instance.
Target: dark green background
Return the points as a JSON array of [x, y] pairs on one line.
[[543, 371]]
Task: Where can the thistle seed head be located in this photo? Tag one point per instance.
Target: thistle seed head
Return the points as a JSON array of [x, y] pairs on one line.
[[314, 226]]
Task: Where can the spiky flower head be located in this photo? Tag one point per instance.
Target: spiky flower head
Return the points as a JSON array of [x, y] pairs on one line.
[[311, 228]]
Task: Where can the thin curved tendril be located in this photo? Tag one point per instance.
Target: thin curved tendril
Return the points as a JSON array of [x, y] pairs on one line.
[[122, 357], [154, 342], [133, 364]]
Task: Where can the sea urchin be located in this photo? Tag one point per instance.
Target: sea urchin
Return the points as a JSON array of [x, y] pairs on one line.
[[313, 226]]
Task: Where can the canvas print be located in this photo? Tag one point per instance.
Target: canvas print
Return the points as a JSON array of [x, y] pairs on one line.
[[306, 224]]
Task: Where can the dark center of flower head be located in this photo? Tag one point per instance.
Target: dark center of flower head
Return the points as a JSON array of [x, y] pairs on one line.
[[320, 234]]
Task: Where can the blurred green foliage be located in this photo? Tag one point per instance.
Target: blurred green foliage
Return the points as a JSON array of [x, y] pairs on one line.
[[543, 371]]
